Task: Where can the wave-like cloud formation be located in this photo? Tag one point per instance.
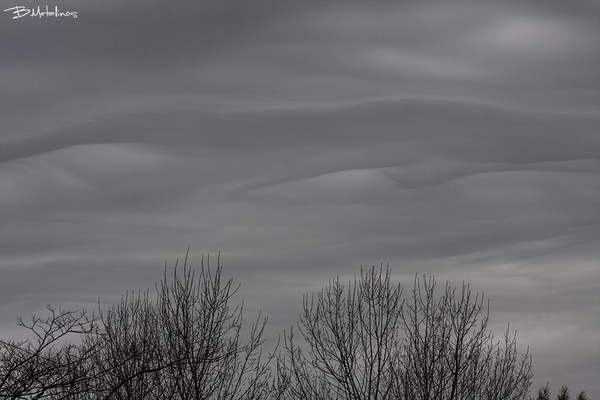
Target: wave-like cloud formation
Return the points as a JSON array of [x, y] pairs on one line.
[[303, 140]]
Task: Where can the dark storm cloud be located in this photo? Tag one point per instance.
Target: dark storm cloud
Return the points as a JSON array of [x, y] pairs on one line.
[[303, 140]]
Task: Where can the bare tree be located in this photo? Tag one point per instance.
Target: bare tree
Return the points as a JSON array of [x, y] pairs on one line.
[[201, 335], [362, 341], [367, 343], [187, 345], [129, 354], [48, 364], [448, 352], [353, 341]]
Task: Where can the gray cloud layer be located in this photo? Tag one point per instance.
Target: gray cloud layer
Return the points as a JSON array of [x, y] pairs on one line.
[[303, 140]]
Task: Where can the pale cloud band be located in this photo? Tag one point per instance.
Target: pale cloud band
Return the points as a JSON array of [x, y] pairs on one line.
[[303, 140]]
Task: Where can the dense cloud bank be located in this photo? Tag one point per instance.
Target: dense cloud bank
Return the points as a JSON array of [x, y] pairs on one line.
[[303, 140]]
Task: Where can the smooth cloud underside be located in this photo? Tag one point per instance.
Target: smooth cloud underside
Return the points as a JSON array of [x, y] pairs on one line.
[[303, 140], [84, 177]]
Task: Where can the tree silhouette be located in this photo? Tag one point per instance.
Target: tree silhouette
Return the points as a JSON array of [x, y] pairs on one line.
[[365, 342], [543, 393], [361, 341], [448, 352], [582, 395], [38, 367], [563, 394], [353, 341], [186, 346]]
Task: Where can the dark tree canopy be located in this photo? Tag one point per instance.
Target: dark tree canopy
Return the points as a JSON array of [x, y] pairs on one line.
[[563, 394]]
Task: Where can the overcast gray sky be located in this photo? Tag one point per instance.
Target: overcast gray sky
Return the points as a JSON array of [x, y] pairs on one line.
[[303, 140]]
